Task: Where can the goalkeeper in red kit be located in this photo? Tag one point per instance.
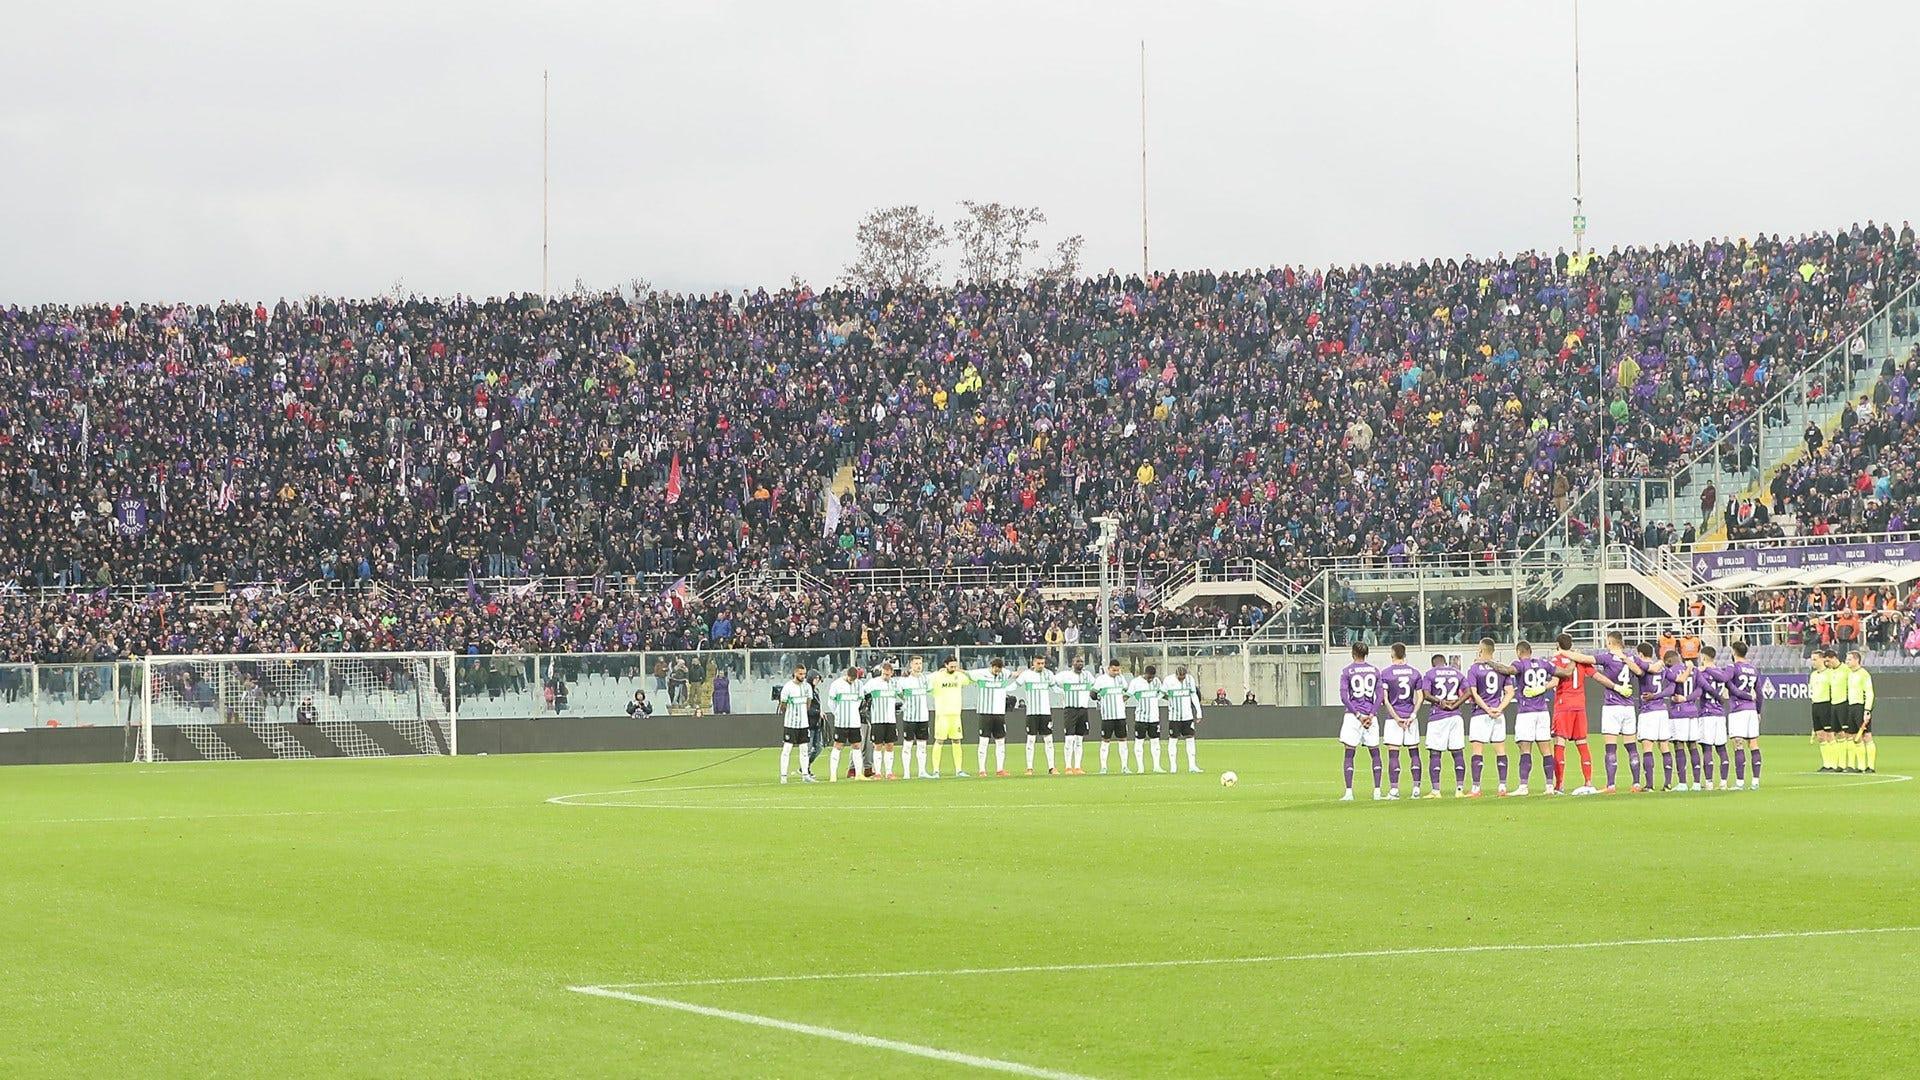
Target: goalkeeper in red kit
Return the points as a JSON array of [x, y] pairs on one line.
[[1573, 669]]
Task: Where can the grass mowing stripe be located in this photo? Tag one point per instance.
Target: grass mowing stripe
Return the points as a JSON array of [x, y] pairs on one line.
[[263, 814], [1117, 965], [853, 1037]]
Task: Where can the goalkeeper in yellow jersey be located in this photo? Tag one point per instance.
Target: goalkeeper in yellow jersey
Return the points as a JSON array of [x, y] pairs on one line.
[[948, 686]]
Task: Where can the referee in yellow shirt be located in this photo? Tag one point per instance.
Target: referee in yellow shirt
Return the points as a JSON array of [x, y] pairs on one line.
[[948, 686], [1859, 723]]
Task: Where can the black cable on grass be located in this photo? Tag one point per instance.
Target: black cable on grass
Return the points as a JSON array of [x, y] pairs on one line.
[[700, 768]]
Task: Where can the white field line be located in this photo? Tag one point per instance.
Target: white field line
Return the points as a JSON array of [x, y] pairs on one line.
[[828, 808], [257, 814], [745, 804], [851, 1037], [1121, 965]]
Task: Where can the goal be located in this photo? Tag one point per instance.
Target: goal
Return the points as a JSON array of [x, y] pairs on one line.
[[294, 705]]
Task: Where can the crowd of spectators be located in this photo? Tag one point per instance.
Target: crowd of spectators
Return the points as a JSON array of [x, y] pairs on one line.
[[1878, 618], [1286, 415], [1865, 477], [79, 626]]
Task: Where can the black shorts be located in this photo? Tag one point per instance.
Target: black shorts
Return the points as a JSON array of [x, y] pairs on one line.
[[883, 734], [993, 725], [1146, 729], [1076, 721], [1040, 723], [1824, 718], [849, 736], [1180, 729], [1852, 718], [1113, 729], [914, 731], [794, 736]]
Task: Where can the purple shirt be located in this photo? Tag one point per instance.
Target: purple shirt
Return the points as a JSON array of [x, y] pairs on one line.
[[1743, 687], [1713, 691], [1681, 686], [1489, 682], [1535, 674], [1444, 684], [1360, 688], [1397, 685], [1615, 668], [1653, 689]]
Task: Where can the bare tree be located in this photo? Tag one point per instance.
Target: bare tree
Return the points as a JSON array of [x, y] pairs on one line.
[[898, 245], [639, 289], [1066, 260], [995, 240]]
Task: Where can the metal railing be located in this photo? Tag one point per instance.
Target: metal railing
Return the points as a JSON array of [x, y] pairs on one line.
[[1826, 381], [514, 685]]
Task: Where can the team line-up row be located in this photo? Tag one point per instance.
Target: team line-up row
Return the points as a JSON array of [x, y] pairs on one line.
[[1685, 708], [917, 709]]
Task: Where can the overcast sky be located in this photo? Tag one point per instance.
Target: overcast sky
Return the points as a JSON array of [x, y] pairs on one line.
[[151, 150]]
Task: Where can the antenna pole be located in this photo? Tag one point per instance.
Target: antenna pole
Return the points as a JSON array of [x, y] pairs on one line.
[[1579, 206], [1144, 271], [543, 186]]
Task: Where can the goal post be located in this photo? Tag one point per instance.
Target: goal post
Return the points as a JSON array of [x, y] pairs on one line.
[[295, 705]]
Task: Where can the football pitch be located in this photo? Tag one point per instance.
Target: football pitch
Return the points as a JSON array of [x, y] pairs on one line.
[[678, 914]]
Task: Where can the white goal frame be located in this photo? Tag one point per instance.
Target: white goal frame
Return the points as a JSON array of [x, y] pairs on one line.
[[233, 697]]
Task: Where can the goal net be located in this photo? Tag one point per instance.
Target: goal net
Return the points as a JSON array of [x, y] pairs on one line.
[[295, 705]]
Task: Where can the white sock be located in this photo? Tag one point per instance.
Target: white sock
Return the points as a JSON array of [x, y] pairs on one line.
[[886, 761], [833, 765], [1139, 755], [1073, 751], [858, 761], [1106, 748], [1030, 739], [1156, 753], [920, 756], [1193, 755], [1049, 742], [983, 753], [1000, 754], [786, 757]]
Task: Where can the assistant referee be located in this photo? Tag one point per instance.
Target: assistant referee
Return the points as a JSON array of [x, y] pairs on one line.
[[1824, 724], [1859, 722]]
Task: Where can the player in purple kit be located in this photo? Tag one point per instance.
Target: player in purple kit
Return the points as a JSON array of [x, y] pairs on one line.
[[1713, 716], [1360, 695], [1680, 685], [1444, 689], [1743, 714], [1533, 718], [1491, 684], [1400, 718], [1655, 728], [1618, 720]]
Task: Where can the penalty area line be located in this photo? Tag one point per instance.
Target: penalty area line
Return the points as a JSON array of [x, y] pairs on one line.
[[853, 1038], [1361, 954]]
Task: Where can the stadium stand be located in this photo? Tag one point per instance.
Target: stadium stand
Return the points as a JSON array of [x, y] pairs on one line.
[[351, 473]]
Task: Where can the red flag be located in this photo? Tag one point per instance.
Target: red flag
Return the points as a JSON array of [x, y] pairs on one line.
[[673, 481]]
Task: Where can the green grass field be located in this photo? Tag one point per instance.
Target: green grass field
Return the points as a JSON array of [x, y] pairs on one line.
[[427, 917]]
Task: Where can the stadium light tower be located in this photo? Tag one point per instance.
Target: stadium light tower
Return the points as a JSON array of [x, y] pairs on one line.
[[543, 187], [1144, 271], [1579, 203], [1103, 547]]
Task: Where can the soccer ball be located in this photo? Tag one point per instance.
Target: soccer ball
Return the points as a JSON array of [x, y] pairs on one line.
[[1228, 779]]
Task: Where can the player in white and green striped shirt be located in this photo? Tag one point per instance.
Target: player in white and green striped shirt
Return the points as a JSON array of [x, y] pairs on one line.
[[1037, 684], [994, 684], [843, 704], [1113, 690], [916, 715], [1076, 694]]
